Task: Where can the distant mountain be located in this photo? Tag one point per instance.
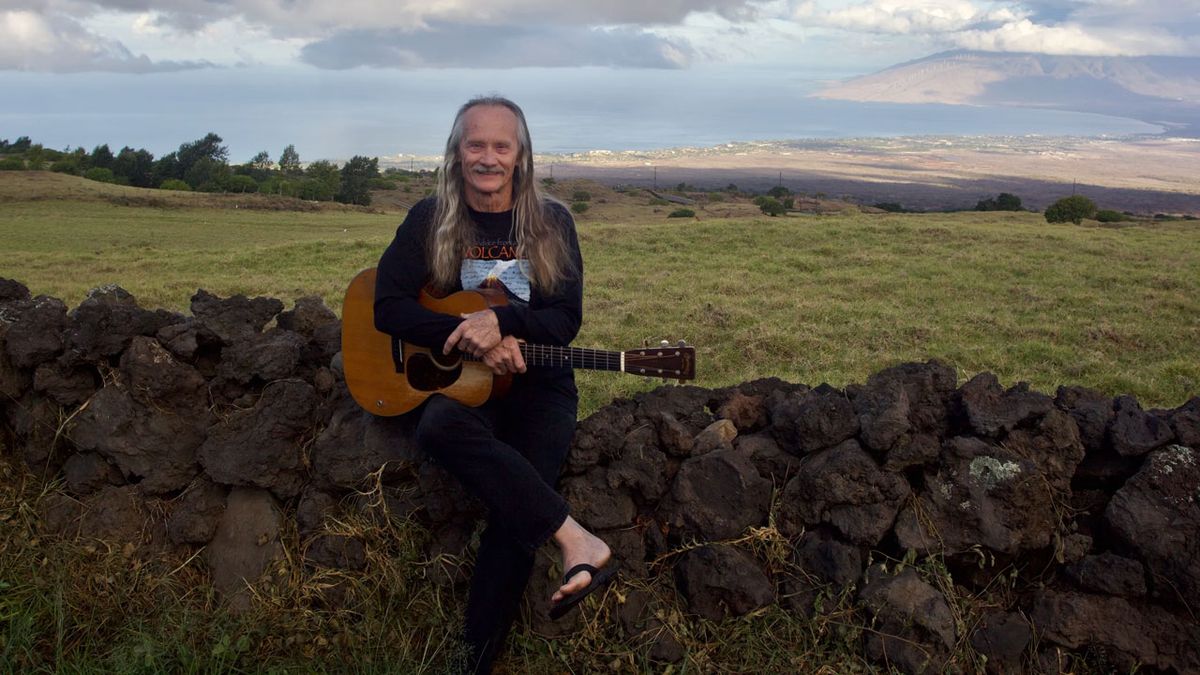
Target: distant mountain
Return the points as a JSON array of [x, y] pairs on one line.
[[1157, 89]]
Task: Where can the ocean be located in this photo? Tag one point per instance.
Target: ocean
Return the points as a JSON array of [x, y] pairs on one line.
[[337, 114]]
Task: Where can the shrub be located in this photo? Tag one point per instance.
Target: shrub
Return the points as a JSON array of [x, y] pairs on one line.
[[100, 174], [579, 207], [681, 213], [175, 184], [772, 207], [581, 196], [1005, 201], [779, 191], [241, 184], [11, 164], [890, 207], [381, 183], [1074, 208], [314, 190], [548, 181], [67, 164], [1110, 216]]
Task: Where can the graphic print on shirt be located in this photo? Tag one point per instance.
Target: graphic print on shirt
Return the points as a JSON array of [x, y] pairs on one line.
[[494, 264]]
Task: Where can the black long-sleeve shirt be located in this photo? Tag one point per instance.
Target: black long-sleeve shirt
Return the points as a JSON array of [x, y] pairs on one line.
[[551, 319]]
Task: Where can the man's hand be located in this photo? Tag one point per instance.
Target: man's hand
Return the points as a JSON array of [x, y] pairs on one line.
[[478, 334], [505, 358]]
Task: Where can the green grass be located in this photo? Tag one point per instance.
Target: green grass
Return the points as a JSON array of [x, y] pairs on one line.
[[806, 298]]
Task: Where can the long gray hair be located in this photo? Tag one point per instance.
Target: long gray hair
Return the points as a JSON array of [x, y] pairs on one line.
[[539, 239]]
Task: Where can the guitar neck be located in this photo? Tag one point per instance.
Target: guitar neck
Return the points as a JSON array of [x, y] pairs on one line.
[[570, 357]]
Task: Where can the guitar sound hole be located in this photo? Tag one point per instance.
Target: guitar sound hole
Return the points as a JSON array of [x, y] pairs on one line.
[[424, 374]]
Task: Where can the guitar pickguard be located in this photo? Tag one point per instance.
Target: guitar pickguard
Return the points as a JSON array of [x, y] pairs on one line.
[[427, 373]]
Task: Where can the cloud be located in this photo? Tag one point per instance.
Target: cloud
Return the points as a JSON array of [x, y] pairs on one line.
[[1076, 27], [457, 46], [56, 43]]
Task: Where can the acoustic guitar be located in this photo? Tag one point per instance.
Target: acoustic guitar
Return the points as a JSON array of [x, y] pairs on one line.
[[387, 377]]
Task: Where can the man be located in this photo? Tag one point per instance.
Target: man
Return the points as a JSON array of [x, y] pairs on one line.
[[488, 226]]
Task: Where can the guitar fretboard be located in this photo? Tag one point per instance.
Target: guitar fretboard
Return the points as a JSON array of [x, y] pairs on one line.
[[567, 357]]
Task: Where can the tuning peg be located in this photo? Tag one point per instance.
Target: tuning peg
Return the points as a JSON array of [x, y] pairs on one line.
[[665, 343], [682, 343]]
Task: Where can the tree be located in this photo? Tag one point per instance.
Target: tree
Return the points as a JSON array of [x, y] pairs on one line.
[[241, 184], [207, 175], [289, 161], [102, 157], [207, 148], [771, 206], [261, 161], [1074, 208], [135, 166], [327, 175], [1005, 201], [356, 176], [779, 191]]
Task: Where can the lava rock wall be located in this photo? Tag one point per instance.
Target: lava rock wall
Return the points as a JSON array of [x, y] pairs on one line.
[[215, 429]]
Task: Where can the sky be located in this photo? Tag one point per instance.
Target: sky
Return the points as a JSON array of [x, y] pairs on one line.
[[135, 50]]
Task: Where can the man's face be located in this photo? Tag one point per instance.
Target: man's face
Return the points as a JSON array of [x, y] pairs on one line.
[[489, 151]]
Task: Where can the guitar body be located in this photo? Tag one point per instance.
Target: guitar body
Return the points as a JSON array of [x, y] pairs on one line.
[[388, 381]]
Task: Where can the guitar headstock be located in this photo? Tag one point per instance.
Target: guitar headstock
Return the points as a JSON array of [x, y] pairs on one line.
[[674, 362]]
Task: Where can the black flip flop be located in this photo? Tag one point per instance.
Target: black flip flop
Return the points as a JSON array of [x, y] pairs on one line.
[[600, 577]]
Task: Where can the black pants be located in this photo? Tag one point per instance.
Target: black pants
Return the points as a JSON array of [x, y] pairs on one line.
[[509, 454]]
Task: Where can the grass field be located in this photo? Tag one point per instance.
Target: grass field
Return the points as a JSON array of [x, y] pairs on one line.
[[807, 298], [812, 299]]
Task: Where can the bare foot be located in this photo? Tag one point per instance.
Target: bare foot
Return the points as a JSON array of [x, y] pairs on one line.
[[578, 546]]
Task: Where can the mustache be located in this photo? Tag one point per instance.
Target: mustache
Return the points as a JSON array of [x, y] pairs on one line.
[[486, 171]]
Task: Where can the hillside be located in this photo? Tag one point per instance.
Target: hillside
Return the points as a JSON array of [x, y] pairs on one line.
[[1161, 90]]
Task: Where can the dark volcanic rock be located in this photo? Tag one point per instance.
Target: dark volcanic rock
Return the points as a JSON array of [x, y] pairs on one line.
[[720, 581], [832, 561], [234, 318], [882, 409], [930, 390], [337, 551], [601, 436], [982, 494], [914, 628], [261, 447], [245, 543], [273, 355], [1144, 633], [355, 445], [66, 385], [156, 378], [87, 472], [114, 514], [917, 450], [104, 323], [1092, 412], [1110, 574], [155, 446], [642, 467], [716, 496], [312, 508], [307, 316], [1185, 420], [1157, 515], [595, 504], [182, 339], [35, 422], [803, 423], [845, 488], [11, 289], [1003, 638], [771, 461], [14, 381], [35, 330], [1134, 432], [196, 515], [991, 410], [747, 412]]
